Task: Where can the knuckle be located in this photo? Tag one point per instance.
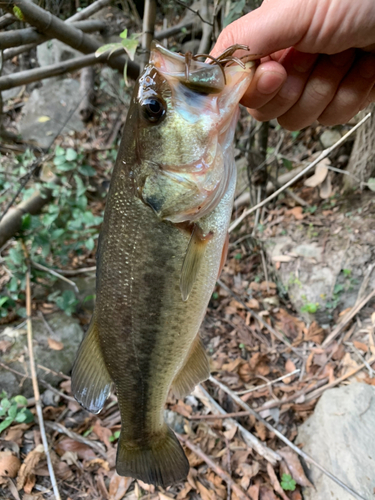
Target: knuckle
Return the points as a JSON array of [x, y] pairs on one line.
[[319, 90]]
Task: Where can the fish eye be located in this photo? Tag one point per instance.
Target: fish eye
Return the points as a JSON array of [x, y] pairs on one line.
[[153, 110]]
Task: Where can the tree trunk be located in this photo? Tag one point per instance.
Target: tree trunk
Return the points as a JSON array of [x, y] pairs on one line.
[[362, 160]]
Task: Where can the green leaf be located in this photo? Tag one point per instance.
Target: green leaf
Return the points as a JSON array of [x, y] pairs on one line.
[[3, 300], [5, 423], [287, 163], [65, 167], [87, 170], [16, 256], [130, 45], [12, 412], [114, 436], [18, 13], [71, 154], [90, 244], [109, 47], [124, 34], [20, 400], [26, 222], [288, 483], [371, 183]]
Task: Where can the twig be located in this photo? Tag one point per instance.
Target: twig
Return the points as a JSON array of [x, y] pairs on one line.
[[7, 20], [295, 448], [241, 494], [54, 27], [350, 315], [98, 447], [54, 273], [324, 154], [250, 440], [260, 319], [210, 416], [194, 11], [371, 372], [35, 383], [43, 382], [319, 391], [271, 382], [73, 272]]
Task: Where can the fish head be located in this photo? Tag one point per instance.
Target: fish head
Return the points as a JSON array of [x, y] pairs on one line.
[[186, 115]]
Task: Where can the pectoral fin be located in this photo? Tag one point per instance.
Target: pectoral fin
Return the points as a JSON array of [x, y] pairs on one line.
[[193, 260], [91, 383], [195, 369]]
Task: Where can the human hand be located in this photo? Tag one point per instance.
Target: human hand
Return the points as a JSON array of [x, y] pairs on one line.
[[318, 62]]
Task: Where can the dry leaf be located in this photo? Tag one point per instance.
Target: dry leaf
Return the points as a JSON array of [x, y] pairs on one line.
[[320, 174], [296, 212], [291, 326], [118, 486], [289, 367], [253, 492], [15, 434], [29, 465], [315, 333], [282, 258], [267, 494], [229, 434], [13, 489], [261, 430], [326, 188], [205, 493], [360, 345], [295, 467], [55, 344], [163, 496], [103, 433], [253, 304], [4, 345], [267, 284], [275, 482], [9, 464], [83, 451]]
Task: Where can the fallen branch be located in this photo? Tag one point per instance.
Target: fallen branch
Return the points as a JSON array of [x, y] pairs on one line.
[[15, 38], [281, 436], [324, 154], [318, 392], [98, 447], [348, 317], [38, 405], [54, 273], [37, 74], [42, 382], [7, 20], [259, 318], [250, 440], [79, 16], [12, 221], [87, 80], [241, 494], [53, 27]]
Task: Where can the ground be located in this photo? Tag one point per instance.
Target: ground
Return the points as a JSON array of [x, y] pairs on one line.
[[292, 274]]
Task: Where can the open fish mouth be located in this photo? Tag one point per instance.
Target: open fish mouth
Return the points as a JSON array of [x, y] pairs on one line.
[[201, 102]]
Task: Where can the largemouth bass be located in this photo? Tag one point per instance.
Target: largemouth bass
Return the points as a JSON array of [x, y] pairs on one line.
[[160, 251]]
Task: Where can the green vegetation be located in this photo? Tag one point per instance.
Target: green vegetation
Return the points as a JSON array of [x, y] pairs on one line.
[[288, 483], [14, 410]]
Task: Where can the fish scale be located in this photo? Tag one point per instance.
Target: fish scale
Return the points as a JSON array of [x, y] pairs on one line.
[[157, 267]]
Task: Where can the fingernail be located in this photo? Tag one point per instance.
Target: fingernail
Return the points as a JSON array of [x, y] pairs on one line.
[[269, 82]]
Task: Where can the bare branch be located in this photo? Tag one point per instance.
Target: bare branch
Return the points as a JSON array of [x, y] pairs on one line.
[[53, 27], [324, 154], [15, 38], [194, 11]]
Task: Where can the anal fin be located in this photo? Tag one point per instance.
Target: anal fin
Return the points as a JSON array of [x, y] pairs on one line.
[[193, 260], [91, 382], [196, 369]]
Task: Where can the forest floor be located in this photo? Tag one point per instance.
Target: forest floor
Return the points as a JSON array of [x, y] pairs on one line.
[[260, 346]]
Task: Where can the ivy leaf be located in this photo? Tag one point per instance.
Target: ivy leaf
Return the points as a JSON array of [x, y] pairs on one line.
[[288, 483], [109, 47], [71, 154], [124, 34], [86, 170], [130, 45], [371, 183]]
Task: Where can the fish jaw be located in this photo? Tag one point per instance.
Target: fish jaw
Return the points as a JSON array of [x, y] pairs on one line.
[[186, 174]]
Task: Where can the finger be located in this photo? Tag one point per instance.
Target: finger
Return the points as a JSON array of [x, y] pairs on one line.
[[267, 81], [319, 91], [298, 67], [352, 93]]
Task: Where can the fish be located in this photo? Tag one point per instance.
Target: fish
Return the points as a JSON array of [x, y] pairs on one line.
[[161, 248]]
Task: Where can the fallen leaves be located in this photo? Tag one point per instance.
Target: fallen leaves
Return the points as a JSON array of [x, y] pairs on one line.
[[55, 344], [26, 475], [9, 464], [294, 465]]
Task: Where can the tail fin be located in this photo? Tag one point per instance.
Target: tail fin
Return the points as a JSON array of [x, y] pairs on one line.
[[162, 462]]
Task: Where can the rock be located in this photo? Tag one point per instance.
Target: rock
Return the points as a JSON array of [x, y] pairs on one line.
[[48, 109], [340, 437], [329, 138], [66, 330], [54, 51], [175, 421]]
